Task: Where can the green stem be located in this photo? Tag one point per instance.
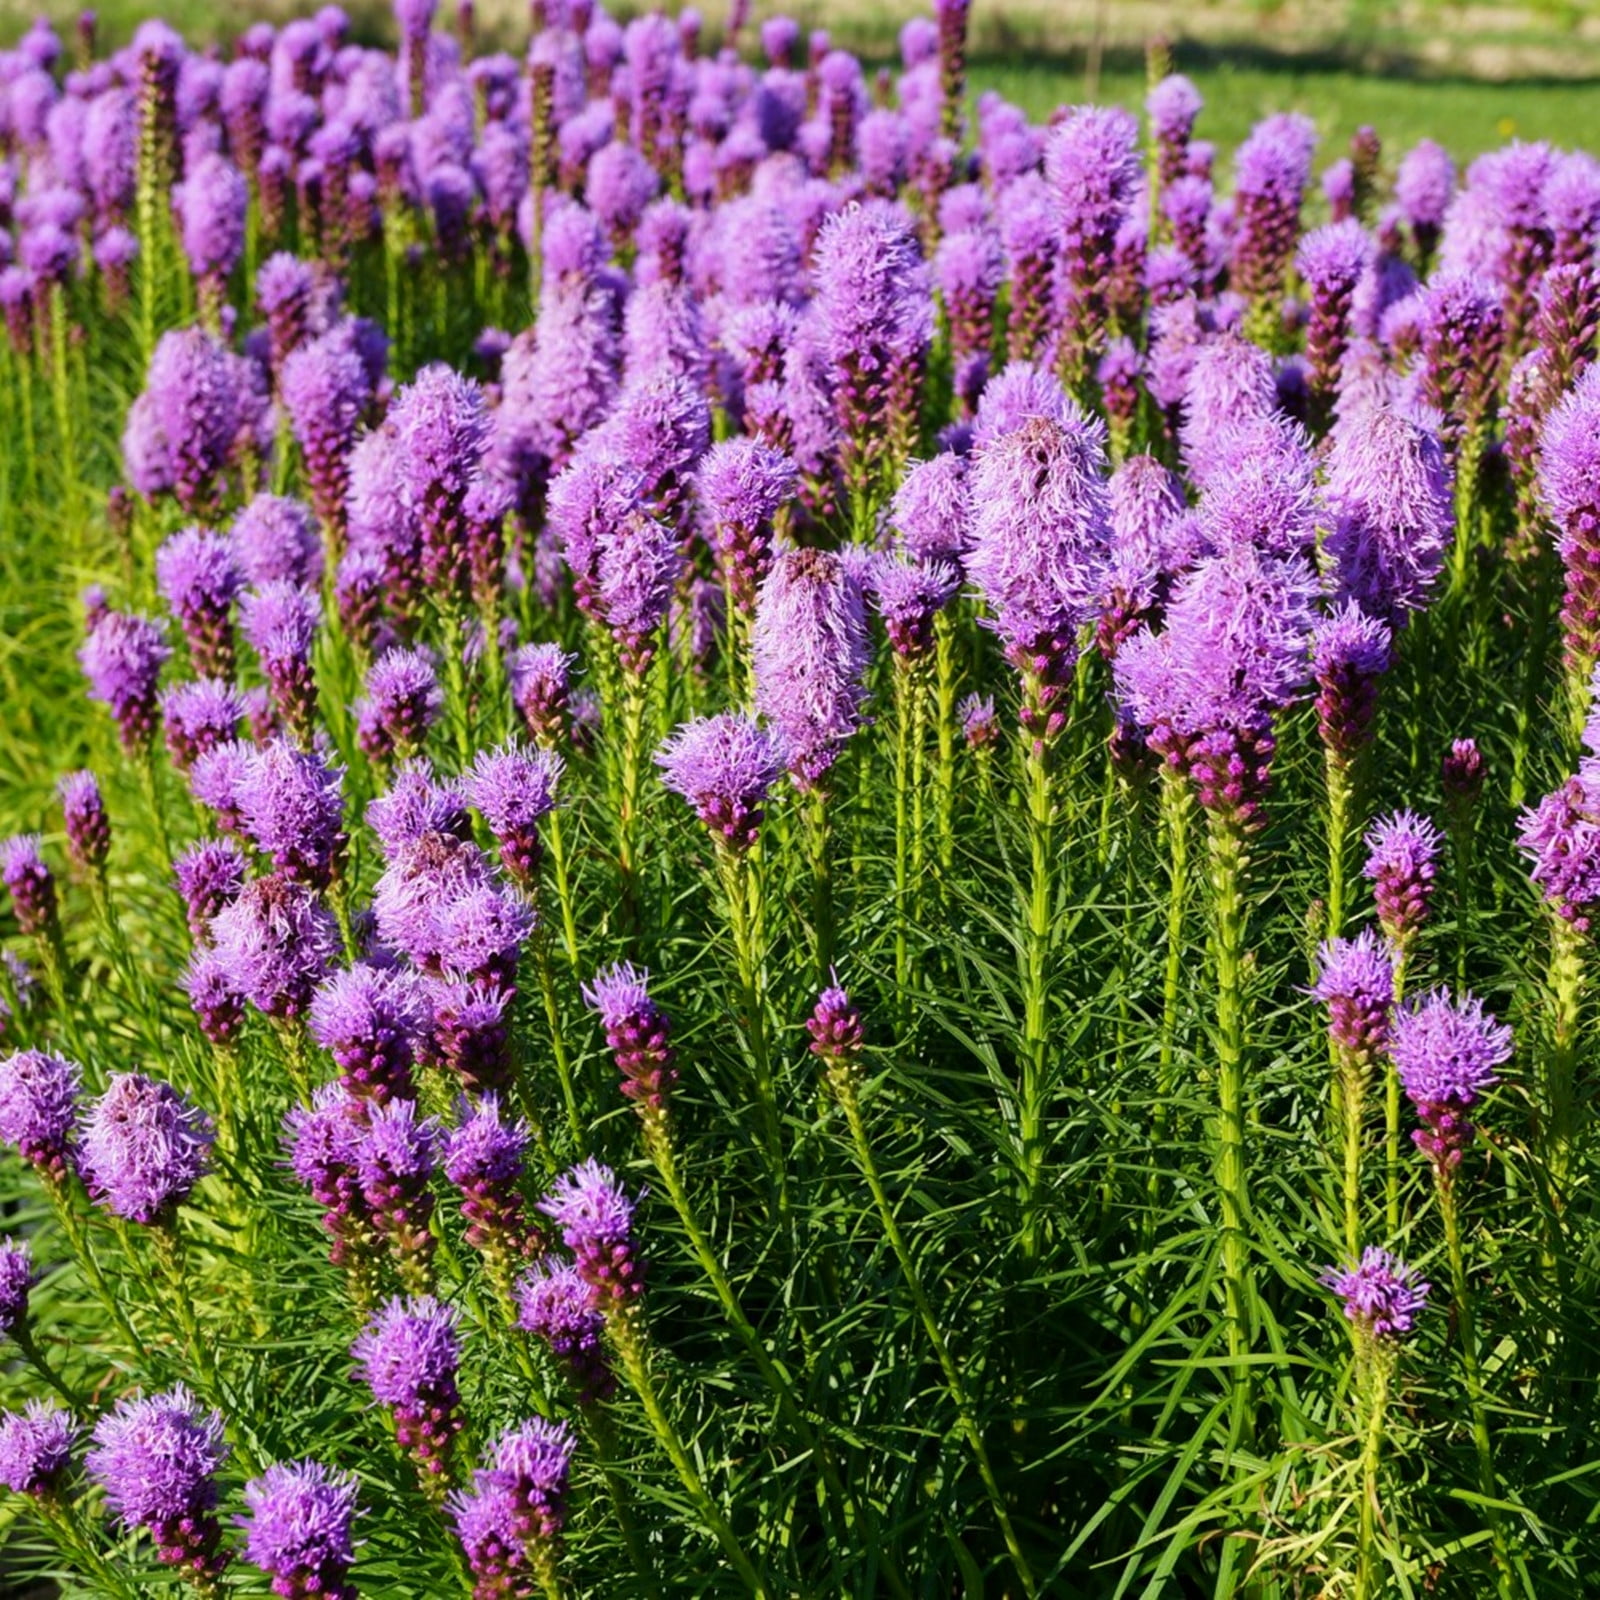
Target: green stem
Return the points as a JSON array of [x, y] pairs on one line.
[[1374, 1363], [72, 1225], [628, 1337], [1350, 1080], [946, 681], [35, 1357], [815, 803], [1466, 1327], [954, 1382], [555, 837], [1035, 982], [1228, 865]]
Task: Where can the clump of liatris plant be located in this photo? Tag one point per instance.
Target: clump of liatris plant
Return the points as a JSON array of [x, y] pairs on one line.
[[595, 1217], [510, 1521], [409, 1356], [1446, 1053], [157, 1460], [299, 1529]]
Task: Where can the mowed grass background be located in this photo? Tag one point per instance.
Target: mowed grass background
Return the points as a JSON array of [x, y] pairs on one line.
[[1408, 71]]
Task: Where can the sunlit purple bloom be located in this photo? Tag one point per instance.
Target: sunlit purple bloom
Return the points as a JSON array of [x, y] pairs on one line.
[[908, 595], [837, 1036], [1272, 169], [278, 941], [31, 883], [403, 701], [88, 828], [1569, 487], [595, 1216], [214, 997], [1462, 335], [540, 684], [638, 1032], [395, 1158], [1355, 980], [809, 653], [1561, 838], [39, 1109], [122, 659], [299, 1529], [144, 1147], [1423, 185], [16, 1281], [980, 723], [1446, 1053], [725, 767], [370, 1020], [200, 715], [292, 806], [36, 1447], [214, 781], [212, 202], [640, 561], [485, 1159], [325, 388], [210, 875], [742, 484], [932, 509], [1173, 106], [200, 578], [556, 1304], [275, 541], [1231, 387], [513, 790], [408, 1357], [1382, 1296], [194, 401], [157, 1460], [279, 621], [1349, 653], [1404, 850]]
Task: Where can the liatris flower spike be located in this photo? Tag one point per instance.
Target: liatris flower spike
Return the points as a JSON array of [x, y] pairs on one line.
[[36, 1448], [39, 1110], [513, 790], [638, 1032], [299, 1530], [595, 1216], [558, 1305], [144, 1147], [1404, 852], [83, 809], [157, 1461], [16, 1280], [485, 1158], [725, 767], [1355, 980], [1382, 1297], [837, 1038], [1447, 1052], [409, 1356]]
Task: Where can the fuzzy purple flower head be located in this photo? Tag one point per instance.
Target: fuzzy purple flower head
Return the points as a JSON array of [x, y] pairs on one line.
[[809, 652], [725, 767], [1355, 980], [402, 703], [741, 485], [540, 686], [595, 1215], [16, 1280], [275, 541], [1349, 653], [144, 1148], [122, 659], [513, 790], [638, 1032], [157, 1459], [932, 509], [1561, 838], [279, 620], [292, 806], [200, 578], [210, 874], [1404, 851], [557, 1304], [485, 1158], [299, 1529], [837, 1036], [201, 715], [39, 1108], [371, 1020], [31, 883], [1382, 1296], [88, 828], [279, 941], [1446, 1053], [409, 1356], [35, 1447]]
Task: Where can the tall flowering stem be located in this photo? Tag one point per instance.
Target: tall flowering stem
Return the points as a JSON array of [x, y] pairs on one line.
[[835, 1029]]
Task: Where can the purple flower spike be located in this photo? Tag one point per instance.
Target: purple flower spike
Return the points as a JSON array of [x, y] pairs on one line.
[[1446, 1052], [1561, 838], [200, 578], [371, 1020], [144, 1148], [1462, 775], [595, 1216], [1382, 1296], [725, 767], [83, 809], [1569, 487], [1332, 261], [1272, 169], [280, 622], [471, 1032], [639, 564], [39, 1109], [31, 883], [16, 1281], [1349, 652], [409, 1356], [214, 997], [1404, 849], [837, 1037], [513, 790], [326, 387], [157, 1460], [279, 942], [639, 1033], [1355, 980], [557, 1304], [323, 1145], [36, 1448], [212, 202], [200, 716], [211, 875], [403, 701], [742, 484], [510, 1520], [540, 686], [275, 541], [1040, 537], [932, 509], [809, 652], [395, 1159], [299, 1529], [485, 1159], [122, 659], [874, 313], [292, 805], [193, 404], [908, 596]]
